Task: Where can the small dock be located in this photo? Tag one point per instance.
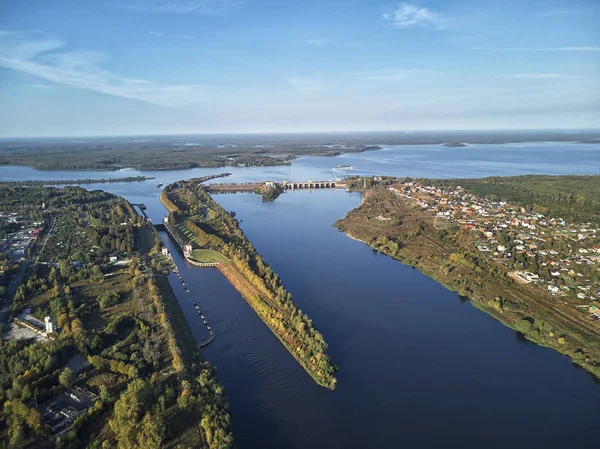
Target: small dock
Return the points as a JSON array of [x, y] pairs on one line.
[[210, 331], [142, 208]]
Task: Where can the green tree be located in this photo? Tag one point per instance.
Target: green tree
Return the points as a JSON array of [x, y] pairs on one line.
[[151, 432], [67, 377]]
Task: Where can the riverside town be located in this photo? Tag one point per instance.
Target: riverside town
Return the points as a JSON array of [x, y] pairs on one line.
[[560, 257]]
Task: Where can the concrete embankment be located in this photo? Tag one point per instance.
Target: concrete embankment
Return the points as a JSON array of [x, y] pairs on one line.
[[210, 331], [188, 259], [176, 271], [231, 188]]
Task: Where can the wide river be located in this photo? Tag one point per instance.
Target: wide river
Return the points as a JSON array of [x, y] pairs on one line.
[[418, 366]]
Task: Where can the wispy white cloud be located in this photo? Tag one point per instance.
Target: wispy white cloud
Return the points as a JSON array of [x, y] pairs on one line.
[[542, 76], [390, 74], [460, 39], [561, 12], [40, 86], [12, 43], [390, 77], [407, 15], [321, 42], [305, 85], [540, 48], [161, 34], [42, 56], [201, 7]]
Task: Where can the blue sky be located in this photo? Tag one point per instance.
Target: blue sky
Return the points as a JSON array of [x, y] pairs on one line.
[[219, 66]]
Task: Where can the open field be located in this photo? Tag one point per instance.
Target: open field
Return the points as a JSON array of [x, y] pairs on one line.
[[208, 256]]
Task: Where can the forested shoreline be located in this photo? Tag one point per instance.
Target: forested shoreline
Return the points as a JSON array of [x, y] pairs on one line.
[[138, 364], [193, 211], [67, 182]]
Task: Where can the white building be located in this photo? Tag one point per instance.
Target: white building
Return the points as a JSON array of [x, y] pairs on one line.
[[49, 325]]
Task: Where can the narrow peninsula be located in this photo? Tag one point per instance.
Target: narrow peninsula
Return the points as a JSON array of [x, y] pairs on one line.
[[211, 235]]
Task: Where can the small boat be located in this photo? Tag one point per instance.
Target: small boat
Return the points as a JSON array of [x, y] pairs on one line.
[[345, 167], [159, 185]]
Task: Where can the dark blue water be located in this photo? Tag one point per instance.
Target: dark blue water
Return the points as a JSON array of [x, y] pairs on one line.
[[419, 367]]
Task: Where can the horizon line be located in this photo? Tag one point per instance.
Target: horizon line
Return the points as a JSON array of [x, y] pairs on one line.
[[258, 133]]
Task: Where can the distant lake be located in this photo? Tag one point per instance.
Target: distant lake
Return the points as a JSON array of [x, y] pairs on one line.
[[419, 367]]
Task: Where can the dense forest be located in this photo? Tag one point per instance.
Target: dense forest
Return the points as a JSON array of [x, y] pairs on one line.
[[152, 387], [67, 182], [147, 159], [181, 152], [196, 214]]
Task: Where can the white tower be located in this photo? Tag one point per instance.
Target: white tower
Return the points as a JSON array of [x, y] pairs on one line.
[[49, 325]]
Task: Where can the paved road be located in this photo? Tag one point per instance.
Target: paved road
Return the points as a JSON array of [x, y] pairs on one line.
[[41, 250]]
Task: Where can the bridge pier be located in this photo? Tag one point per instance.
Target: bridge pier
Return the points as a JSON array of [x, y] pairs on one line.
[[311, 185]]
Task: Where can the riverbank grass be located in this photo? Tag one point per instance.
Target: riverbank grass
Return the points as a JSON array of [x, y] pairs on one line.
[[208, 256]]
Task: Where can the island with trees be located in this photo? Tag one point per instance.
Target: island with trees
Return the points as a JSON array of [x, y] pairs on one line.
[[97, 352], [79, 181], [524, 249], [190, 151], [215, 235]]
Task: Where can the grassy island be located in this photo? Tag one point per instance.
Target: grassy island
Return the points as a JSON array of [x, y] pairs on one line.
[[121, 368], [525, 249], [196, 218]]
